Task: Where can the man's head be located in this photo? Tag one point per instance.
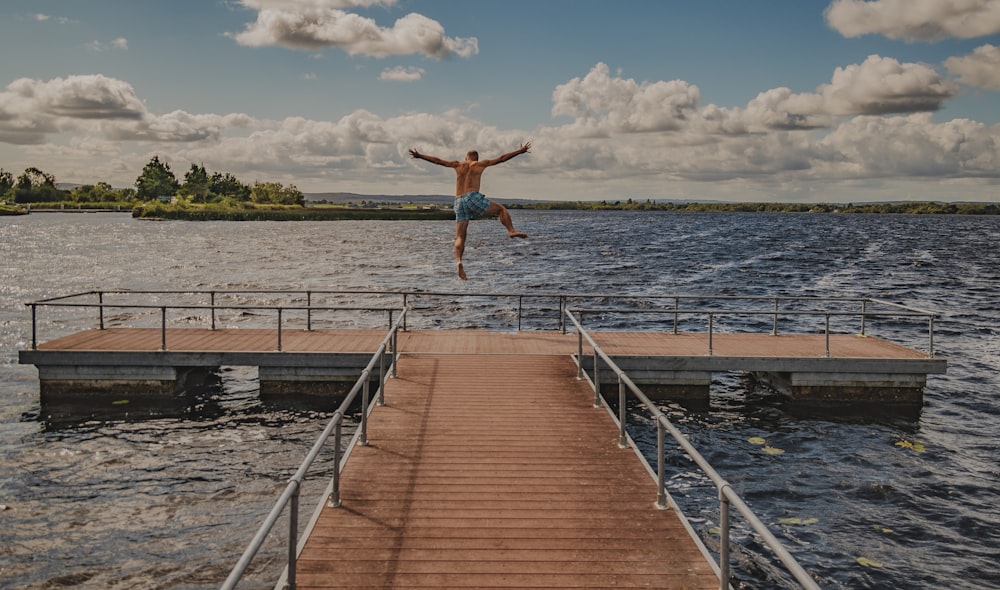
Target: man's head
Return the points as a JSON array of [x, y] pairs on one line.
[[472, 156]]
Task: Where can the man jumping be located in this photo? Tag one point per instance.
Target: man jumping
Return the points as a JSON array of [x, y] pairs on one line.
[[469, 202]]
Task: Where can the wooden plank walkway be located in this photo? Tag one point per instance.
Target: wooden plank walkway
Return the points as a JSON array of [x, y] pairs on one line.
[[483, 341], [495, 471]]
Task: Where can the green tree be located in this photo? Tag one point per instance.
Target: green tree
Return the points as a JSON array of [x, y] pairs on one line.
[[101, 192], [35, 178], [197, 184], [275, 193], [35, 186], [156, 181], [6, 181], [226, 185]]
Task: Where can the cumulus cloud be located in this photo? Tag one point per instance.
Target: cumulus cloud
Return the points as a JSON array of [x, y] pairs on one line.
[[604, 103], [314, 24], [981, 68], [610, 134], [915, 20], [31, 110], [401, 74], [882, 85]]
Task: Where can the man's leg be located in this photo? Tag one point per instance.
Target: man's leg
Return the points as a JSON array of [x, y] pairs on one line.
[[501, 212], [461, 227]]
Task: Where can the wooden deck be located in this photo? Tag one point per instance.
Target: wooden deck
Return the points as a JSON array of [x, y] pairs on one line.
[[674, 366], [495, 471], [481, 341]]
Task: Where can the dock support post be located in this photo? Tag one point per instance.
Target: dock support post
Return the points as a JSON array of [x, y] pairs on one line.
[[597, 380], [293, 535], [723, 538], [365, 376], [661, 476], [334, 500], [622, 437]]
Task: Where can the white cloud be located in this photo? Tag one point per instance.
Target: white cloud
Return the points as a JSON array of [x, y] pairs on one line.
[[915, 20], [42, 17], [313, 24], [603, 104], [97, 46], [401, 74], [981, 68], [882, 85], [32, 110], [620, 136]]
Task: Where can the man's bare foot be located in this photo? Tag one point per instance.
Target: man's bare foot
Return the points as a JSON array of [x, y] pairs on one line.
[[517, 234], [461, 272]]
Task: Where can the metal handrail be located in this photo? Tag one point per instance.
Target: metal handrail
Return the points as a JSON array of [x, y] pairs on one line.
[[727, 497], [715, 313], [290, 496], [563, 299], [280, 309]]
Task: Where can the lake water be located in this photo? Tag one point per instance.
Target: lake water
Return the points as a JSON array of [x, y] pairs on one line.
[[171, 501]]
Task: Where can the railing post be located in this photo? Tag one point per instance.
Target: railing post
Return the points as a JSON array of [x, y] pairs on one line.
[[309, 311], [774, 328], [661, 476], [723, 538], [827, 335], [212, 301], [100, 305], [597, 380], [579, 354], [380, 394], [711, 321], [334, 500], [930, 336], [395, 354], [34, 327], [520, 309], [677, 303], [279, 329], [864, 311], [622, 436], [366, 378], [562, 314], [407, 316], [293, 535], [163, 328]]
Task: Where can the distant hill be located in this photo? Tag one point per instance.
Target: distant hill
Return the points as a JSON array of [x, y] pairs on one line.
[[344, 198]]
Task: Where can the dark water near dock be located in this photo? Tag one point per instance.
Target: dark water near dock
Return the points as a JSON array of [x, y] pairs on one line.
[[862, 501]]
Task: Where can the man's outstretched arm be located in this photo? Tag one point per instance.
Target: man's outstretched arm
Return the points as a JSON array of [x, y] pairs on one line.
[[501, 159], [434, 159]]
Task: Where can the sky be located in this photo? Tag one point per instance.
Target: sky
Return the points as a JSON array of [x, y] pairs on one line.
[[778, 100]]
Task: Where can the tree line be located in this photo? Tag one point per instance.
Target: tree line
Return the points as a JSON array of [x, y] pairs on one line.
[[908, 207], [157, 182]]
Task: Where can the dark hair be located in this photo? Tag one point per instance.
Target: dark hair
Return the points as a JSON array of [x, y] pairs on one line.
[[472, 154]]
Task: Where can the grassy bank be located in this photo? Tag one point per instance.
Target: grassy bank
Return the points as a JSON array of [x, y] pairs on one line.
[[282, 213], [12, 210]]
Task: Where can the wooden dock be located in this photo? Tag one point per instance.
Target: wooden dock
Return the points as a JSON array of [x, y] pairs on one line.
[[807, 367], [489, 466], [496, 471]]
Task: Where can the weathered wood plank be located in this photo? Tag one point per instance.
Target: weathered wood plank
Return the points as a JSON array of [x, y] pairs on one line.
[[496, 471]]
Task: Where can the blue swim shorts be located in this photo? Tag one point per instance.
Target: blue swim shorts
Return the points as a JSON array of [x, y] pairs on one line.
[[471, 205]]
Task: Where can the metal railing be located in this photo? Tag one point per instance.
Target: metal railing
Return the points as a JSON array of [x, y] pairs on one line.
[[290, 496], [727, 497], [548, 307]]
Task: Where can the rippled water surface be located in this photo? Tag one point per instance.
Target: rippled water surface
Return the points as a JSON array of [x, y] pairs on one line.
[[170, 501]]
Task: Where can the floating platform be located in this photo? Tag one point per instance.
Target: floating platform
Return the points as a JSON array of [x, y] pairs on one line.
[[141, 362]]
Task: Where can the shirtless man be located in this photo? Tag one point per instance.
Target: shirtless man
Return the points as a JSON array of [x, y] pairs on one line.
[[469, 202]]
